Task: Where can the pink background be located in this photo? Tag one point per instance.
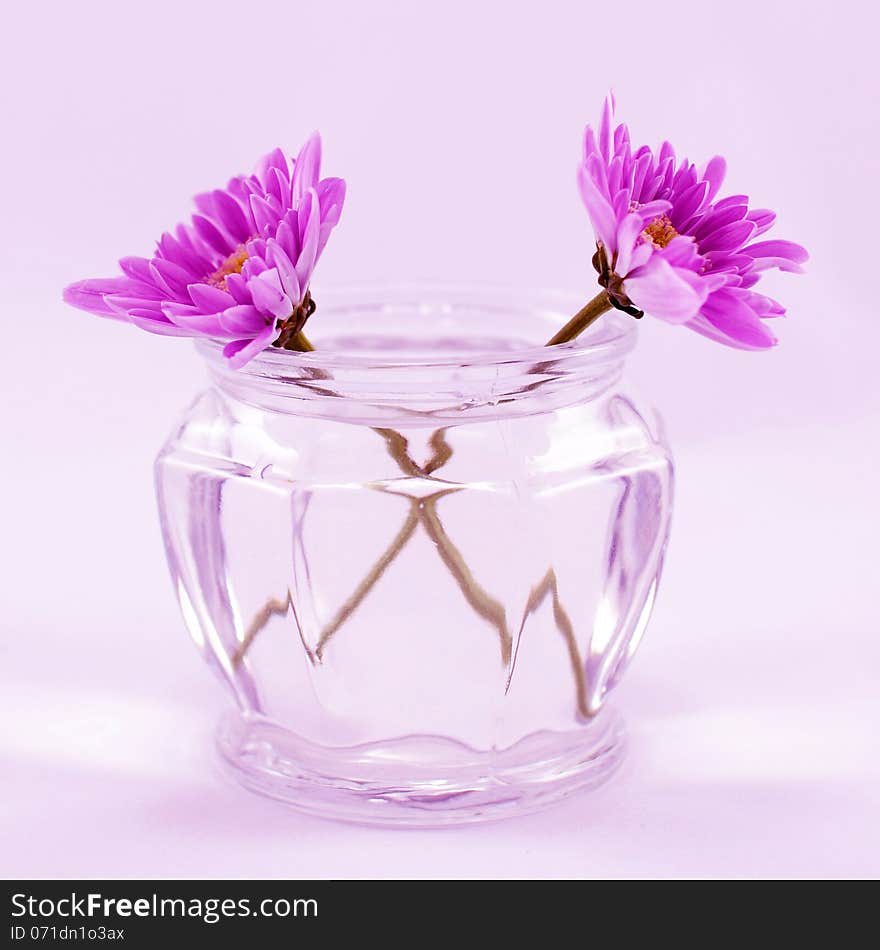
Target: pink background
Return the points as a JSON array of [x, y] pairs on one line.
[[753, 705]]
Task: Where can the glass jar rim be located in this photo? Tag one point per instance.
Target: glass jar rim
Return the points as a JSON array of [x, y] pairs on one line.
[[609, 339], [414, 352]]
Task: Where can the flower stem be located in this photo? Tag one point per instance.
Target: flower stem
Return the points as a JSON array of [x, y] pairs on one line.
[[549, 586], [291, 336], [301, 343], [375, 574], [590, 312], [273, 608], [481, 601], [424, 511]]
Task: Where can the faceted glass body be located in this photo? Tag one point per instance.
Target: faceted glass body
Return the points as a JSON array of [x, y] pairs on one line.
[[421, 556]]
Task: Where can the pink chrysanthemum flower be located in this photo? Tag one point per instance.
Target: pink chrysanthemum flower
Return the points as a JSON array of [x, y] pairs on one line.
[[240, 271], [665, 245]]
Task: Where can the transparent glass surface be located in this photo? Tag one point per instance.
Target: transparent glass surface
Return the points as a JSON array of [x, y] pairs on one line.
[[421, 556]]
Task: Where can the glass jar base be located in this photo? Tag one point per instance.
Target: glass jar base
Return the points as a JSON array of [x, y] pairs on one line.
[[420, 781]]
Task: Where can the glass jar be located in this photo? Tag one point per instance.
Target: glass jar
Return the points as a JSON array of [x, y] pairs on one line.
[[421, 556]]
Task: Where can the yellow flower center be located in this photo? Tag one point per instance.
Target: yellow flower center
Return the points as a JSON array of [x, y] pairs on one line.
[[660, 231], [232, 265]]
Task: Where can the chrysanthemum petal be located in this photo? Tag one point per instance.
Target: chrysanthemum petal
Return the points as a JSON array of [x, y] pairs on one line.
[[287, 234], [306, 169], [241, 352], [210, 299], [764, 219], [204, 202], [621, 204], [621, 140], [310, 223], [598, 208], [89, 295], [653, 209], [252, 267], [211, 235], [231, 216], [242, 319], [716, 219], [688, 203], [147, 320], [136, 268], [684, 179], [615, 176], [736, 263], [331, 198], [681, 252], [740, 326], [765, 307], [627, 233], [641, 167], [264, 216], [786, 255], [172, 277], [640, 256], [780, 263], [268, 298], [172, 250], [605, 127], [591, 147], [664, 291], [787, 250], [263, 172], [279, 186], [192, 319], [237, 287], [195, 246], [713, 173], [727, 239], [276, 256], [124, 303]]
